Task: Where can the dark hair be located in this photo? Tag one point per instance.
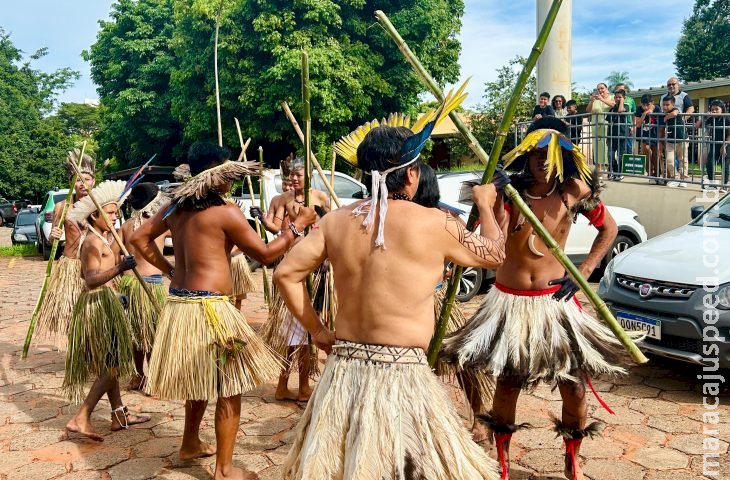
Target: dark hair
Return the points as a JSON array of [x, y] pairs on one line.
[[647, 98], [142, 194], [601, 83], [557, 97], [620, 91], [570, 103], [205, 155], [380, 151], [548, 122], [718, 103], [545, 95], [428, 194], [668, 98]]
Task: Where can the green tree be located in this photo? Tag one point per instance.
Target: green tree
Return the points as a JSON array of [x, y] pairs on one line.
[[614, 78], [131, 63], [79, 119], [33, 146], [703, 50]]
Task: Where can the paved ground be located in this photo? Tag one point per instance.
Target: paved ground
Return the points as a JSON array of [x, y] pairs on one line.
[[656, 433]]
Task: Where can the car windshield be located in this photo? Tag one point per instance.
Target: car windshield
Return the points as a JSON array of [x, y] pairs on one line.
[[25, 219], [717, 216], [58, 197]]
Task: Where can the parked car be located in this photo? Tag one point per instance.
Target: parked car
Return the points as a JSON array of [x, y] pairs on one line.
[[630, 232], [24, 227], [44, 222], [658, 287], [9, 209]]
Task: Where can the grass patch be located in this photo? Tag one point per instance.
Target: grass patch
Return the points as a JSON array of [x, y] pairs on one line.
[[25, 250], [470, 167]]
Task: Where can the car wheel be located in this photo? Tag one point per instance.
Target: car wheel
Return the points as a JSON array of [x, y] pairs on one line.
[[470, 284], [620, 244]]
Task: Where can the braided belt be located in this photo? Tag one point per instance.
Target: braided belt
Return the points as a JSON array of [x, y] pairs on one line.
[[379, 353]]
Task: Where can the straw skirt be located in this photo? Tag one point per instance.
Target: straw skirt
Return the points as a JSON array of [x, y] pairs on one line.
[[204, 348], [99, 339], [531, 336], [141, 311], [64, 288], [242, 276], [380, 413]]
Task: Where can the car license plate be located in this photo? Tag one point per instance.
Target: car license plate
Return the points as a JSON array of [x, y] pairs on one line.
[[631, 321]]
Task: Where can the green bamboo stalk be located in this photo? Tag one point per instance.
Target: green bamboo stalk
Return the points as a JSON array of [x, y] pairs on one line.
[[262, 229], [306, 98], [491, 163], [215, 69], [49, 265]]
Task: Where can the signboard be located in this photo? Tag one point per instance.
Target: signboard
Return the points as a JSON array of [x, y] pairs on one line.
[[633, 164]]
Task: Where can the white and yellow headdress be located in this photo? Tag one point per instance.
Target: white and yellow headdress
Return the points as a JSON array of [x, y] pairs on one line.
[[108, 192]]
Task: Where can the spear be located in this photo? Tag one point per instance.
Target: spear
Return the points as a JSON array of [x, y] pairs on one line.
[[491, 163], [313, 159], [215, 69], [49, 265], [114, 233]]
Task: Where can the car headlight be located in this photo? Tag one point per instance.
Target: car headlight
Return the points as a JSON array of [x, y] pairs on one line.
[[723, 297], [19, 237], [608, 275]]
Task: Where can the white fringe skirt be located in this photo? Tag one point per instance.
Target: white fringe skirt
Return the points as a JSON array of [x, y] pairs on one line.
[[379, 412], [530, 336]]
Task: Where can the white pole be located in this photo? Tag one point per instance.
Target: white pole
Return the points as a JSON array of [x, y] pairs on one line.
[[554, 67]]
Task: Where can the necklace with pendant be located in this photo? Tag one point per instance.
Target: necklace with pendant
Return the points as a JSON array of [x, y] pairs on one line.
[[540, 197]]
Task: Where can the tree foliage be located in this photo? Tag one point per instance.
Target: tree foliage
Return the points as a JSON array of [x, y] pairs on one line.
[[79, 119], [614, 78], [703, 50], [33, 146], [154, 60]]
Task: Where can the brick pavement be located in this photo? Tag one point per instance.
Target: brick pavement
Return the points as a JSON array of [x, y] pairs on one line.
[[656, 433]]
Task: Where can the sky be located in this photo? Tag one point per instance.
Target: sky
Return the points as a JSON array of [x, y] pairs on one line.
[[633, 36]]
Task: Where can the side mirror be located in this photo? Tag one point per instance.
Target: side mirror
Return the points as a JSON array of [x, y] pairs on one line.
[[696, 211]]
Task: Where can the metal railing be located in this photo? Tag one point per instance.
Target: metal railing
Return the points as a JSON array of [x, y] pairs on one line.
[[692, 149]]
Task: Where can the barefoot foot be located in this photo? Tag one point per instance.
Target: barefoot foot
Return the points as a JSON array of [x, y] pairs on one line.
[[304, 394], [83, 427], [137, 383], [283, 393], [568, 472], [201, 450], [479, 433], [119, 421], [234, 473]]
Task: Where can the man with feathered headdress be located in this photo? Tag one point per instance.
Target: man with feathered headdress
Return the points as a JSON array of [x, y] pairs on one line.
[[378, 410], [146, 200], [66, 283], [530, 327], [99, 337], [204, 348]]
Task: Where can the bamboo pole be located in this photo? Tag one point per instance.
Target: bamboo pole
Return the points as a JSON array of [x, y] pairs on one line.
[[49, 265], [314, 160], [306, 104], [215, 69], [491, 163], [262, 229], [114, 233], [334, 162]]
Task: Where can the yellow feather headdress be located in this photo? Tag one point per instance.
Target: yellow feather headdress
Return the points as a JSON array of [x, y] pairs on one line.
[[558, 146]]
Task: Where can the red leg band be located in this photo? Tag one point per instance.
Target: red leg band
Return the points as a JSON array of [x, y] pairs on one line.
[[502, 440], [570, 449]]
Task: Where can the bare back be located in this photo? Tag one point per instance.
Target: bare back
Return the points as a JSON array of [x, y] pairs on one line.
[[144, 267]]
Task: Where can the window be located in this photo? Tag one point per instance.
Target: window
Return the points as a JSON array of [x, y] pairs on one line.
[[58, 197], [25, 219]]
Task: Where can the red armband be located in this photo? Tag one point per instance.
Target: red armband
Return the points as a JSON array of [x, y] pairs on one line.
[[595, 216], [508, 208]]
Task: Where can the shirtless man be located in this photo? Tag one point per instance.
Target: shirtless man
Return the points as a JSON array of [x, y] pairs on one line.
[[99, 332], [204, 238], [530, 327], [66, 283], [145, 200], [378, 410]]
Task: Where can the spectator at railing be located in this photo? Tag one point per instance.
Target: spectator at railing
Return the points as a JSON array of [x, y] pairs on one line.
[[683, 103], [601, 102], [558, 104], [618, 129], [647, 118], [630, 107], [672, 135], [717, 137], [574, 121], [543, 108]]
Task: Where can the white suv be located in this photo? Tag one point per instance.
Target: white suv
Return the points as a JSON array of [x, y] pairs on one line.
[[577, 247]]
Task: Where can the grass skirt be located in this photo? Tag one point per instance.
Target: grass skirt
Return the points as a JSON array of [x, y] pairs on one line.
[[141, 312], [64, 288], [242, 277], [99, 338], [535, 338], [204, 348], [380, 413], [480, 380]]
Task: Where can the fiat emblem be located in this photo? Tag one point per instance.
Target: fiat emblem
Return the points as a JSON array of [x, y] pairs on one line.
[[644, 290]]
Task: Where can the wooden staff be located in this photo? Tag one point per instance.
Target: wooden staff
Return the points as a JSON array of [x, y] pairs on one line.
[[49, 265], [491, 163], [334, 162], [123, 249], [306, 104], [215, 69], [313, 159]]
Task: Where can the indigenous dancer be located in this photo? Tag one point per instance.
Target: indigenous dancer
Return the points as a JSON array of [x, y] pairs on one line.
[[145, 199], [273, 221], [378, 411], [66, 283], [477, 385], [530, 327], [99, 337], [241, 275], [203, 346]]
